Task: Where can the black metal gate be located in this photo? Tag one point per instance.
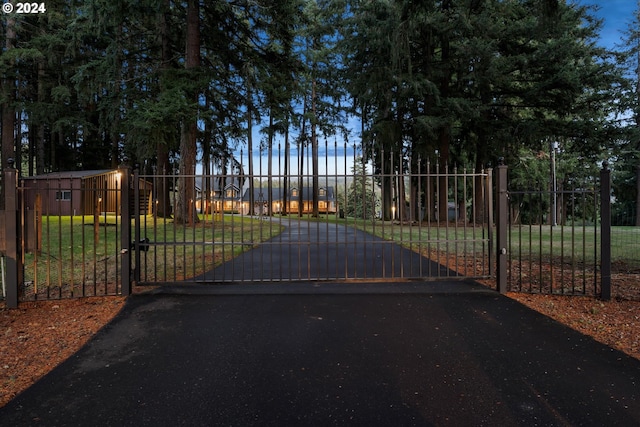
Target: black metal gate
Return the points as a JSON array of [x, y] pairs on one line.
[[428, 224], [558, 241]]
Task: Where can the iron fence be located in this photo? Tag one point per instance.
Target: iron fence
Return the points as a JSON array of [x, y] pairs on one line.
[[559, 240], [68, 235], [350, 221], [85, 234]]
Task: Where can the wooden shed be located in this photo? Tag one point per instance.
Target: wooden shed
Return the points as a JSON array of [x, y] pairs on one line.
[[80, 192]]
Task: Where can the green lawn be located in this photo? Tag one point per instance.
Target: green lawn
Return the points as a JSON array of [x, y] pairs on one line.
[[579, 243], [77, 252]]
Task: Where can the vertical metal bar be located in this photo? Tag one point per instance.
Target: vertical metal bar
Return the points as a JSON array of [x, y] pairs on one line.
[[156, 201], [278, 199], [136, 220], [436, 196], [605, 230], [96, 232], [573, 239], [346, 195], [14, 267], [365, 213], [336, 202], [596, 201], [456, 215], [125, 235], [194, 237], [106, 246], [260, 210], [270, 212], [326, 208], [551, 242], [488, 217], [541, 196], [289, 212], [174, 179], [203, 210], [355, 219], [373, 207], [71, 245], [428, 211], [59, 263], [418, 205], [158, 184], [242, 232], [394, 208], [501, 227], [83, 243]]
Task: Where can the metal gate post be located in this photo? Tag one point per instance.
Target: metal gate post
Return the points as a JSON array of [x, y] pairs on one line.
[[136, 221], [125, 237], [13, 253], [605, 230], [488, 216], [502, 222]]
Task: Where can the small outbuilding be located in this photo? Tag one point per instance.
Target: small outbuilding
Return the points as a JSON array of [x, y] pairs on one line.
[[81, 193]]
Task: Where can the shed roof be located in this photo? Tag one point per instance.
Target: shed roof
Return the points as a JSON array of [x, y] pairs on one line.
[[73, 174]]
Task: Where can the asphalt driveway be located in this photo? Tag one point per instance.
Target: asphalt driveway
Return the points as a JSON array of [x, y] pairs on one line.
[[368, 356], [308, 250]]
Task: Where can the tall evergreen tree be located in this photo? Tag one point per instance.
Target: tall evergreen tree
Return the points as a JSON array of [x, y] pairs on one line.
[[626, 185]]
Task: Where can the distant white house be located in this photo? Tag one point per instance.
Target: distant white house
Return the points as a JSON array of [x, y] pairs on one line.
[[223, 196], [295, 196]]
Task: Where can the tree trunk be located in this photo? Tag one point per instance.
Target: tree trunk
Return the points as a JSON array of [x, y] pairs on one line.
[[250, 151], [637, 119], [285, 191], [270, 165], [443, 184], [301, 155], [40, 128], [314, 150], [8, 109], [445, 131], [205, 202], [114, 128], [185, 212], [163, 209]]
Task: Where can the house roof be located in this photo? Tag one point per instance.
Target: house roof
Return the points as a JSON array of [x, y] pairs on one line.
[[215, 181], [73, 174]]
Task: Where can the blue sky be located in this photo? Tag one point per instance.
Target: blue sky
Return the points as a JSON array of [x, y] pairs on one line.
[[617, 15]]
